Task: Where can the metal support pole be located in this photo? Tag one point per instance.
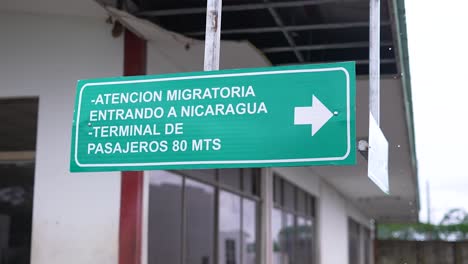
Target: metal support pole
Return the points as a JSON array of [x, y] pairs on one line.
[[211, 63], [212, 35], [374, 60], [266, 207]]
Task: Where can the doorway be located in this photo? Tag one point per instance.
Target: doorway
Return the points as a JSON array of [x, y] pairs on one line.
[[18, 130]]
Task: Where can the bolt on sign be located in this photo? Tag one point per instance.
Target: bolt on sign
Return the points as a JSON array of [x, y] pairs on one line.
[[278, 116]]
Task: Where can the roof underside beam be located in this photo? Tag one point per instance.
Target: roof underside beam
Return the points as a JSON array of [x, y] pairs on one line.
[[279, 23], [349, 45], [382, 61], [255, 30], [240, 7], [358, 62]]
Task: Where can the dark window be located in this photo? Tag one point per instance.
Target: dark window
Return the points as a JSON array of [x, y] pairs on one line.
[[310, 206], [304, 241], [309, 238], [183, 216], [302, 250], [164, 234], [276, 226], [251, 181], [18, 128], [289, 239], [301, 204], [354, 242], [292, 224], [277, 187], [229, 224], [367, 245], [18, 119], [199, 202], [360, 243], [249, 232], [203, 175], [230, 251], [288, 194], [230, 177]]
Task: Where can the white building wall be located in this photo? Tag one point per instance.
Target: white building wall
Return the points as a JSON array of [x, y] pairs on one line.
[[333, 226], [169, 54], [76, 216]]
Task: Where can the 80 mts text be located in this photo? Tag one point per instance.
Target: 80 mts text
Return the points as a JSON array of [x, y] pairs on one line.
[[134, 147]]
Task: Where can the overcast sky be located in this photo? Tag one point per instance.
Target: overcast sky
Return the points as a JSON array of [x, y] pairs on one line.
[[438, 47]]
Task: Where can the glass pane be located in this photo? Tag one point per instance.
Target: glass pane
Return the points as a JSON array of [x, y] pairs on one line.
[[367, 246], [249, 219], [277, 191], [229, 228], [251, 181], [18, 129], [288, 232], [312, 205], [308, 206], [16, 207], [199, 202], [165, 222], [353, 234], [230, 177], [204, 175], [18, 132], [288, 195], [302, 241], [276, 224], [311, 240], [301, 203]]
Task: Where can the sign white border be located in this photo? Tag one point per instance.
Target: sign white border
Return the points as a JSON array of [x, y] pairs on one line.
[[176, 163]]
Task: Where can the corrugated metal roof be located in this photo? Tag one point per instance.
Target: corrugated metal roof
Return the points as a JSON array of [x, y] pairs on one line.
[[286, 31]]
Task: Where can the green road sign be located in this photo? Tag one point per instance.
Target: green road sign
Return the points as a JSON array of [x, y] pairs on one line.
[[278, 116]]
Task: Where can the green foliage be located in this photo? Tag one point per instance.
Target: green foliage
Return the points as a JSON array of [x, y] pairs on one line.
[[421, 231], [453, 227]]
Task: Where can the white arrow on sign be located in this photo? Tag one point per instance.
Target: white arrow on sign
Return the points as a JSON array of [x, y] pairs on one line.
[[316, 115]]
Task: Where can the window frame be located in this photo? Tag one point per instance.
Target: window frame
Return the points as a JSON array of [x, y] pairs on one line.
[[218, 186], [364, 242], [309, 213]]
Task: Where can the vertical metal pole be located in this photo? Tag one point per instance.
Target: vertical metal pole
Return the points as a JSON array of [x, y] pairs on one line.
[[211, 63], [212, 35], [374, 59], [216, 222], [266, 206]]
